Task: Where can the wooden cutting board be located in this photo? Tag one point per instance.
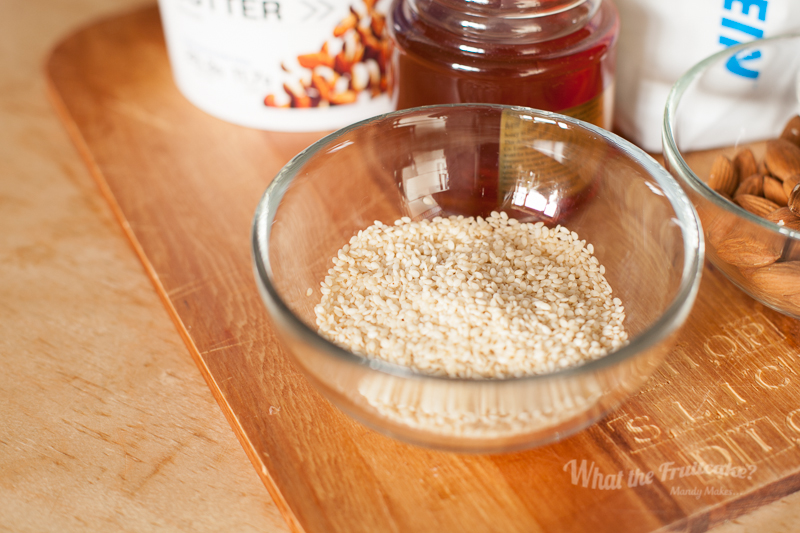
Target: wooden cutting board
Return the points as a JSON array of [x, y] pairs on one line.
[[185, 185]]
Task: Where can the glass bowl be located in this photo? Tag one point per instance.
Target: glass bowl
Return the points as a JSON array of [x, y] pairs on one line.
[[734, 100], [472, 159]]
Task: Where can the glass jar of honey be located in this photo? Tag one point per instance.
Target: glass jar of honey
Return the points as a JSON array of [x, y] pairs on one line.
[[555, 55]]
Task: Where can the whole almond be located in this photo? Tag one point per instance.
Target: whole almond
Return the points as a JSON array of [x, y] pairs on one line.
[[782, 158], [779, 279], [310, 61], [741, 244], [755, 204], [792, 131], [754, 185], [347, 23], [784, 217], [344, 97], [322, 85], [723, 177], [773, 190], [794, 200], [745, 163], [747, 251], [789, 184]]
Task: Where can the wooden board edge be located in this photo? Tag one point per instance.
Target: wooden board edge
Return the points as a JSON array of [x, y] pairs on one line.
[[753, 500], [748, 502], [63, 113]]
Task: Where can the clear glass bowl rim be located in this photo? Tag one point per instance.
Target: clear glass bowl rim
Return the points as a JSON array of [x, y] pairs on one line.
[[672, 318], [673, 154]]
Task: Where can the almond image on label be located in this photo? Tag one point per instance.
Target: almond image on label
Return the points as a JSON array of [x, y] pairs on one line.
[[339, 77]]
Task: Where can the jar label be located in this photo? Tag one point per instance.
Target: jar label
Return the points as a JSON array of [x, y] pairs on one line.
[[286, 65], [598, 111], [546, 168]]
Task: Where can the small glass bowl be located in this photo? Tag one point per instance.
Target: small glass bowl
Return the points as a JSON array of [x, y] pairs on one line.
[[738, 98], [472, 159]]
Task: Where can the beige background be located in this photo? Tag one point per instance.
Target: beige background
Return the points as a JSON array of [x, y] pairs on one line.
[[106, 423]]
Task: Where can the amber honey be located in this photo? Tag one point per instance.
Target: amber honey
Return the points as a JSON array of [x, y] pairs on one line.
[[557, 56]]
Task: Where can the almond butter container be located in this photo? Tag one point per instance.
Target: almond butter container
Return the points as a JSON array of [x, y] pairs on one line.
[[280, 65]]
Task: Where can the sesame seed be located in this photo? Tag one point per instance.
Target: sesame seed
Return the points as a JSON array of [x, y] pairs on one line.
[[470, 298]]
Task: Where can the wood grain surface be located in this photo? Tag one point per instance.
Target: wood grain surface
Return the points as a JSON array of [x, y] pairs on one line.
[[184, 186], [105, 422]]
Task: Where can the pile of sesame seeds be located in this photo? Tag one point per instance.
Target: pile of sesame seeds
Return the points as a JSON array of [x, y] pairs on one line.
[[470, 297]]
